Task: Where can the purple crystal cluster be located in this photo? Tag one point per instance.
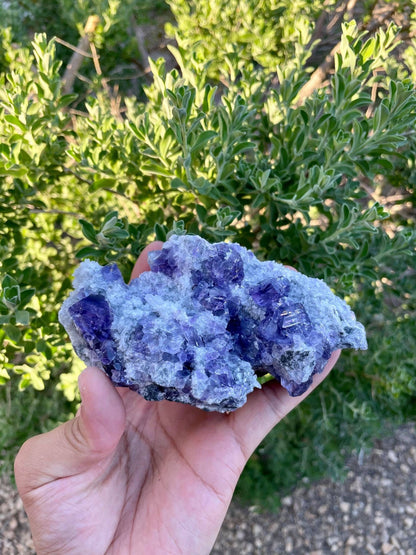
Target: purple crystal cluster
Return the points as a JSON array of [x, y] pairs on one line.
[[205, 322]]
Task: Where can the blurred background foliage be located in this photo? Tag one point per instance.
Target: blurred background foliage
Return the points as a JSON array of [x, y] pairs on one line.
[[288, 127]]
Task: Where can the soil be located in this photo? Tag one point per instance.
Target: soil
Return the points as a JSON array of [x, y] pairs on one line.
[[373, 512]]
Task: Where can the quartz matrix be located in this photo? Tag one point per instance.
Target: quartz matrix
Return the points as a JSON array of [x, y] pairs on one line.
[[205, 322]]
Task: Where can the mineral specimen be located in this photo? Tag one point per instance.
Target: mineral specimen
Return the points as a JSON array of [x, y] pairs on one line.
[[205, 322]]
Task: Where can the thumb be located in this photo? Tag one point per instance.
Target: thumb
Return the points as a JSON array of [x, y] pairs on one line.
[[78, 445]]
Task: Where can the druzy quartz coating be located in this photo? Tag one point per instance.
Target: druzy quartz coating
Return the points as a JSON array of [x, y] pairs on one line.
[[205, 322]]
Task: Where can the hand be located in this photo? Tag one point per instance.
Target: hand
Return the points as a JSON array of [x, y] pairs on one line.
[[128, 476]]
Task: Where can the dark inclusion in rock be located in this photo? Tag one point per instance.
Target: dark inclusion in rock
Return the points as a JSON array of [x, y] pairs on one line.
[[205, 322]]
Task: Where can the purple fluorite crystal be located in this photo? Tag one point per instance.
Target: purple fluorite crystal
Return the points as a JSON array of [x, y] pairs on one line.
[[205, 322]]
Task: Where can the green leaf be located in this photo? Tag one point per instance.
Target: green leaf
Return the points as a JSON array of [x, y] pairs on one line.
[[178, 228], [386, 164], [41, 345], [15, 121], [242, 147], [89, 252], [25, 296], [4, 375], [13, 332], [381, 116], [259, 201], [24, 158], [22, 317], [118, 233], [201, 212], [225, 216], [88, 231], [109, 225], [8, 281], [368, 49], [160, 232], [11, 296], [5, 150], [9, 263], [202, 140], [140, 134], [177, 183], [152, 168], [104, 183], [209, 94], [13, 171], [300, 140], [67, 99], [113, 215]]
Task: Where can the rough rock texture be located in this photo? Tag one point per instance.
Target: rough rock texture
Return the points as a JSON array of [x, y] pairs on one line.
[[205, 322], [372, 512]]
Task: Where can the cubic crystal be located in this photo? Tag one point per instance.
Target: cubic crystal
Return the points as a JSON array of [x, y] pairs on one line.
[[205, 322]]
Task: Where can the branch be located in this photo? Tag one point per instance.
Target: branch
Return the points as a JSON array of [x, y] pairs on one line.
[[320, 23], [114, 192], [75, 112], [371, 107], [318, 76], [79, 177], [54, 211], [344, 10], [78, 56], [72, 47], [90, 183], [115, 100]]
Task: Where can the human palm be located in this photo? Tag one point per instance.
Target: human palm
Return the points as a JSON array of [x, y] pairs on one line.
[[132, 476]]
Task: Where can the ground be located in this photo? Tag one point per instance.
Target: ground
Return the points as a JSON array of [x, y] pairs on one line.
[[373, 512]]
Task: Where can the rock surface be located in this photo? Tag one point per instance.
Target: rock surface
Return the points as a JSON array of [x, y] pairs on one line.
[[372, 512], [205, 322]]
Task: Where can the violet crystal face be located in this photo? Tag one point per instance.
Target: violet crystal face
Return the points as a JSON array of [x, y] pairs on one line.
[[205, 322]]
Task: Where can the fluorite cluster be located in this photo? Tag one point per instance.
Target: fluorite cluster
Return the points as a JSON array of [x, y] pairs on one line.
[[205, 322]]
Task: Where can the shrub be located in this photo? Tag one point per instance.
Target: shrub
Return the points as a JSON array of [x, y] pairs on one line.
[[227, 150], [235, 32]]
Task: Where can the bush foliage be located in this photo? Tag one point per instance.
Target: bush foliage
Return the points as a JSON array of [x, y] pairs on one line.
[[224, 146]]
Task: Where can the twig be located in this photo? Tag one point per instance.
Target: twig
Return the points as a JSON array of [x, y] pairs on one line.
[[370, 109], [81, 179], [78, 56], [95, 59], [338, 15], [318, 76], [374, 23], [72, 47], [75, 112], [126, 77], [84, 78], [114, 192], [115, 99], [53, 211], [90, 183]]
